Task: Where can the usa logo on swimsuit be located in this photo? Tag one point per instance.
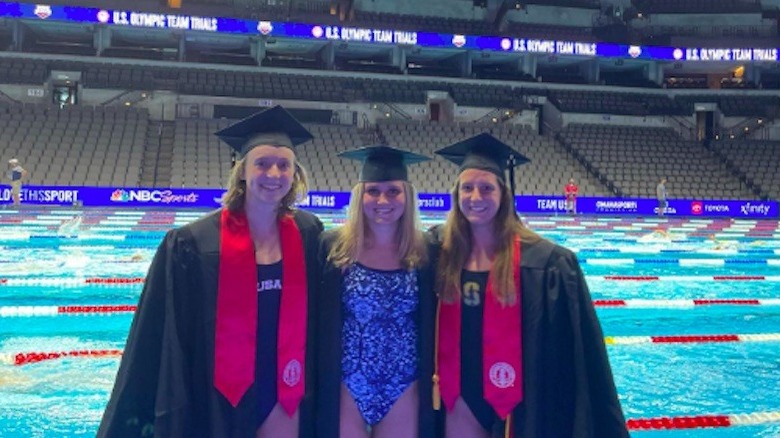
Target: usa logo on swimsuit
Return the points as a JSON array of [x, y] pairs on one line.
[[292, 373], [502, 375]]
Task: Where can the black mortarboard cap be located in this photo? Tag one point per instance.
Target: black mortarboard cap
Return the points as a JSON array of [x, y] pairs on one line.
[[274, 126], [383, 163], [487, 153]]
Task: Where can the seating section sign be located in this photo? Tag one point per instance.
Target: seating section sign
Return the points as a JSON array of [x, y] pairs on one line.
[[428, 202]]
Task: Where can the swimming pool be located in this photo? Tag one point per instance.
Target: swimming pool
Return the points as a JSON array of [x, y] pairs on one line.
[[692, 329]]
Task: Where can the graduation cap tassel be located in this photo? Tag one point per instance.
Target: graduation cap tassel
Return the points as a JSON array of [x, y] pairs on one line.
[[511, 167], [436, 389]]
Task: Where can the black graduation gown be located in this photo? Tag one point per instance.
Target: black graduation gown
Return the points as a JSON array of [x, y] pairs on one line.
[[165, 384], [568, 389], [329, 345]]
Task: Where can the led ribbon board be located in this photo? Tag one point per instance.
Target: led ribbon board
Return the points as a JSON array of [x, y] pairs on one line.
[[508, 44]]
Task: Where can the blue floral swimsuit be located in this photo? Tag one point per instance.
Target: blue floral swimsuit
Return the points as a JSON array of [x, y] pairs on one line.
[[378, 337]]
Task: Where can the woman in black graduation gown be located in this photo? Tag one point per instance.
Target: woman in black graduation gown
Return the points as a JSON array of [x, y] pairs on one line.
[[520, 351], [376, 309], [220, 345]]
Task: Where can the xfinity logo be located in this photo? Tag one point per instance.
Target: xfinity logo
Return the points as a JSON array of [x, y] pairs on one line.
[[749, 208]]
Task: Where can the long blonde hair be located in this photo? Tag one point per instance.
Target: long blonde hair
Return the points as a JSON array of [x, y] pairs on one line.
[[456, 247], [351, 237], [235, 198]]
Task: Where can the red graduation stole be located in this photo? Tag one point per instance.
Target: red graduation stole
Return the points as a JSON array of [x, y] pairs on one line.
[[236, 324], [502, 367]]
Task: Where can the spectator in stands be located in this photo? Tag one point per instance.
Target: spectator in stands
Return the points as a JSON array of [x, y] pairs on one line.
[[222, 342], [520, 351], [17, 176], [570, 191], [377, 309], [660, 194]]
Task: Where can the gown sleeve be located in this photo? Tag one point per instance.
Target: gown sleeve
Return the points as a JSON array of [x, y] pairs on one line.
[[329, 342], [151, 383], [597, 408]]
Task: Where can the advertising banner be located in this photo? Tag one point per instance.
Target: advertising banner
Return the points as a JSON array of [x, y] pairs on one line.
[[428, 202], [648, 207]]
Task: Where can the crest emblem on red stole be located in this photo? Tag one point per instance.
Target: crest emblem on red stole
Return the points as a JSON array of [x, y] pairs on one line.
[[292, 373], [502, 375]]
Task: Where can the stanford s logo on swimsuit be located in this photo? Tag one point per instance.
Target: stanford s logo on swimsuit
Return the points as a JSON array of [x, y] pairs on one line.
[[502, 375], [292, 373]]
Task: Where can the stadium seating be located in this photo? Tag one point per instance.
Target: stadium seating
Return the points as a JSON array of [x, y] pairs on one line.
[[635, 159], [549, 170], [755, 160], [636, 104], [550, 32], [698, 6], [75, 145], [200, 159], [734, 106], [424, 23]]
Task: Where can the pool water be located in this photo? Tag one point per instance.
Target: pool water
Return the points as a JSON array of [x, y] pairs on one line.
[[42, 267]]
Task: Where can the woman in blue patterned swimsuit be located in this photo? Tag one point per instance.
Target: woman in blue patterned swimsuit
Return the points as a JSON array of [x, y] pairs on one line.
[[377, 309]]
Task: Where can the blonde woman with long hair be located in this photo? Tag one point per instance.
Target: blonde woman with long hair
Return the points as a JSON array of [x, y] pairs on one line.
[[376, 309], [221, 344], [519, 350]]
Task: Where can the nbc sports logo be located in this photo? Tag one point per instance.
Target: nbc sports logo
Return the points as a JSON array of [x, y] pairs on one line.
[[120, 195]]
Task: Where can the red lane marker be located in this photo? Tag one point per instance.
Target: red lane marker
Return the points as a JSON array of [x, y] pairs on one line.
[[703, 302], [694, 338], [739, 277], [99, 280], [701, 421], [606, 303], [28, 358], [632, 277], [3, 280], [96, 309]]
